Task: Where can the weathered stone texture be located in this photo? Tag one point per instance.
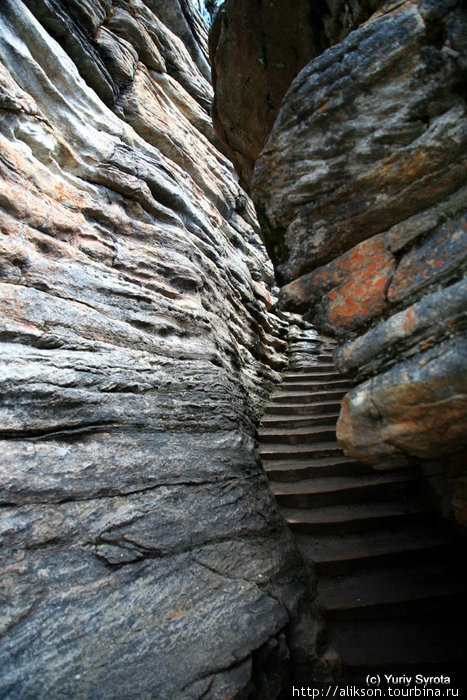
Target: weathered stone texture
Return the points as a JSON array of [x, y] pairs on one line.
[[362, 184], [417, 408], [256, 49], [142, 555], [370, 133]]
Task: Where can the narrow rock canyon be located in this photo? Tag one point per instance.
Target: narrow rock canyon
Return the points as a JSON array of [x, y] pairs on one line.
[[146, 286], [361, 191]]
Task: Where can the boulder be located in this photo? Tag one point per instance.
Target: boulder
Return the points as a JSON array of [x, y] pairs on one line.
[[416, 408]]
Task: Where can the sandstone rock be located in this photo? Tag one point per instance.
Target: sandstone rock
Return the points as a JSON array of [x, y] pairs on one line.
[[418, 408], [182, 18], [370, 133], [256, 50], [439, 258], [361, 187], [424, 324], [349, 292], [143, 554]]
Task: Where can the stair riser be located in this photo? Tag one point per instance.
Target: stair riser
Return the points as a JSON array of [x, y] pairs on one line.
[[327, 369], [358, 525], [297, 422], [331, 470], [430, 605], [271, 457], [373, 562], [364, 494], [308, 398], [314, 386], [304, 409], [324, 435], [317, 378]]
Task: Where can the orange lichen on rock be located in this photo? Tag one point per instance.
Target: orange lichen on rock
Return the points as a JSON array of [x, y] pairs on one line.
[[351, 290]]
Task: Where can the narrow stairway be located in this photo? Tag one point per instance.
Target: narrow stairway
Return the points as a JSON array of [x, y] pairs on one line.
[[390, 572]]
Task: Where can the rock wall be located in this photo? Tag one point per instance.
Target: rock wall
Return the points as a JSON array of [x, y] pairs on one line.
[[257, 47], [142, 554], [362, 188]]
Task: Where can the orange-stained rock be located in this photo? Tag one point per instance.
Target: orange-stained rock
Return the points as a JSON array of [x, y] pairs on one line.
[[437, 259], [347, 293], [437, 315]]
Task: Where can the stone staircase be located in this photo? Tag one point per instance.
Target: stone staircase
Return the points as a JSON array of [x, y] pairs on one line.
[[390, 580]]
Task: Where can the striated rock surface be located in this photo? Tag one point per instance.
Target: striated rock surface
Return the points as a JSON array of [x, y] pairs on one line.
[[362, 185], [257, 48], [142, 554]]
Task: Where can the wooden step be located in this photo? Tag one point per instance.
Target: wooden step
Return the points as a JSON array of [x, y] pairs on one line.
[[306, 397], [272, 452], [394, 590], [311, 493], [400, 643], [294, 436], [342, 519], [315, 385], [310, 377], [337, 554], [288, 470], [303, 409], [297, 421], [318, 368]]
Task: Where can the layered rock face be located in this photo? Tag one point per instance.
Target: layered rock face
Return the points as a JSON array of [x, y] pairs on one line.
[[142, 554], [362, 189], [256, 49], [365, 177]]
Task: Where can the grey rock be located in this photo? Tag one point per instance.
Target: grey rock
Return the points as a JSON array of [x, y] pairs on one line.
[[418, 408], [256, 51], [375, 116], [434, 318], [361, 190], [142, 552]]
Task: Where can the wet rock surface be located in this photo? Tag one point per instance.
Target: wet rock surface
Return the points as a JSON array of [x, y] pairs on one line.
[[142, 553], [362, 187]]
